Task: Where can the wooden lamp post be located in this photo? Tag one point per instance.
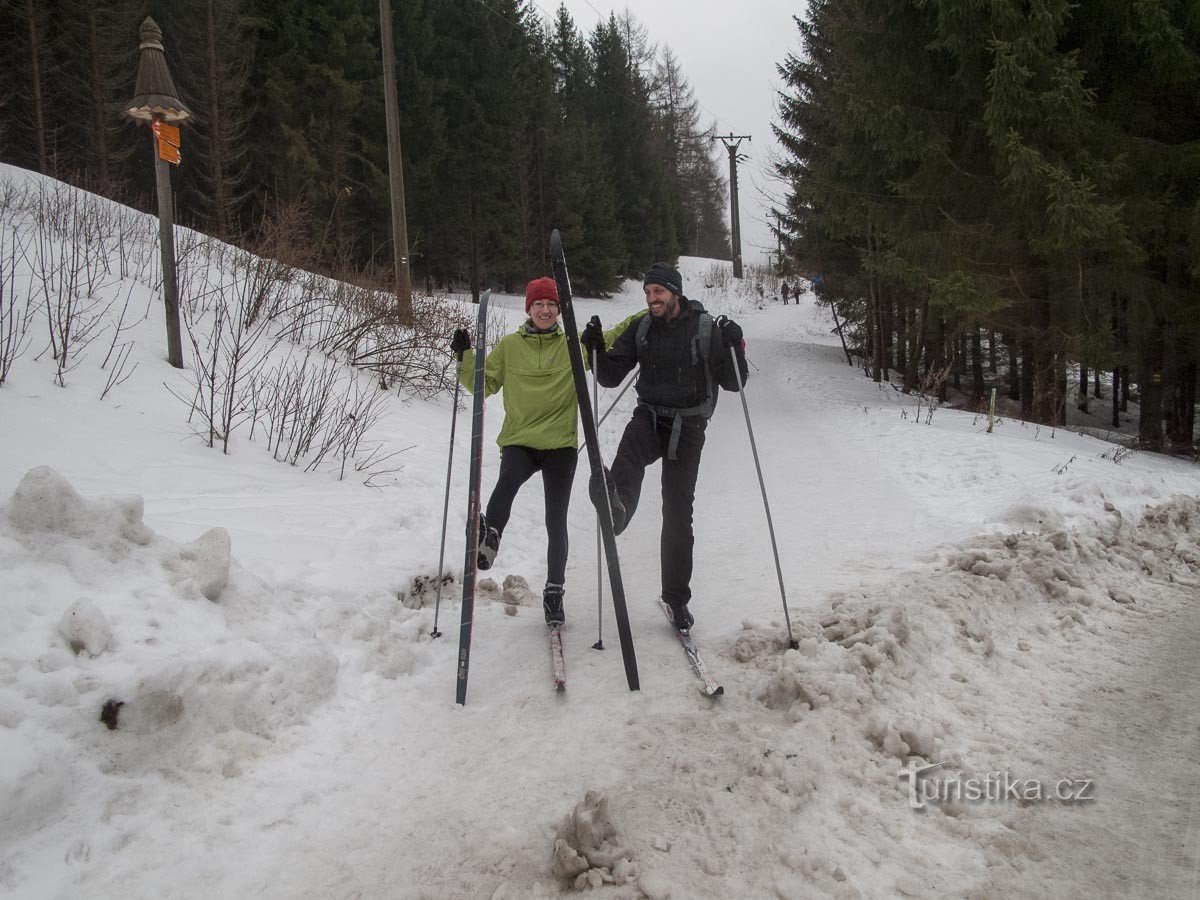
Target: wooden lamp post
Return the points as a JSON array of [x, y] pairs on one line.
[[156, 102]]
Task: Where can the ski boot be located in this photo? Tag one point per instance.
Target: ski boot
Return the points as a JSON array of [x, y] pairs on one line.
[[681, 619], [552, 604], [489, 544], [596, 491]]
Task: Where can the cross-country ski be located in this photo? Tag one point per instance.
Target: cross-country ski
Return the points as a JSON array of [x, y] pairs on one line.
[[558, 666], [709, 687]]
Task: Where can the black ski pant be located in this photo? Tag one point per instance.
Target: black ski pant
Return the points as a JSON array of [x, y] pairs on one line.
[[557, 466], [646, 439]]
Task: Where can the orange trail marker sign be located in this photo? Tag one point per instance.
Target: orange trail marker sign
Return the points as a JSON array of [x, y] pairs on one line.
[[168, 142]]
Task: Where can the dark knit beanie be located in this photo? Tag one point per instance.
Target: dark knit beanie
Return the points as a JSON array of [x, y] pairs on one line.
[[667, 276], [540, 289]]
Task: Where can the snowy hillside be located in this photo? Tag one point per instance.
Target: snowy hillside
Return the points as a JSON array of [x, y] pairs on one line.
[[217, 675]]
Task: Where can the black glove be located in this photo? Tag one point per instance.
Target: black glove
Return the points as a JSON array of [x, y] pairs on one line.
[[731, 333], [461, 342], [593, 335]]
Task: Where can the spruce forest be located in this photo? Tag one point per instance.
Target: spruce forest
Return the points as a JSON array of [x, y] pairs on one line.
[[1000, 196], [510, 125], [1006, 193]]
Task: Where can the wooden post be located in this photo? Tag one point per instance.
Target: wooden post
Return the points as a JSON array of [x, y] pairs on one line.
[[166, 240], [395, 167], [156, 104], [992, 411]]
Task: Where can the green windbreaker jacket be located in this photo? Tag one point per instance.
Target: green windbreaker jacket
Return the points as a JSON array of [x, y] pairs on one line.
[[540, 407]]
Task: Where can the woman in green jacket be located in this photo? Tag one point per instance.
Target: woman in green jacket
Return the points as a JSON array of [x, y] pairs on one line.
[[539, 431]]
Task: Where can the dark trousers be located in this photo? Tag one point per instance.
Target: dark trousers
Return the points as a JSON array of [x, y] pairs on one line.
[[644, 442], [557, 466]]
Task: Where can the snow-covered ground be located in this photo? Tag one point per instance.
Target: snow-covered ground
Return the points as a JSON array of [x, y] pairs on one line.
[[1015, 610]]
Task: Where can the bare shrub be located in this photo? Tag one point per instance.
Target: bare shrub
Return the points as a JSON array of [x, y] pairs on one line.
[[14, 198], [226, 354], [281, 254], [69, 261], [313, 410], [15, 314], [718, 276], [929, 388], [414, 357], [120, 371]]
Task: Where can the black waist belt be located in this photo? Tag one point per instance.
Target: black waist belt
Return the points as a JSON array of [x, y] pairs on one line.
[[676, 415]]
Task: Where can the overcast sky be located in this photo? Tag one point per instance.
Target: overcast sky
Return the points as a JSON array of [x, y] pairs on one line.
[[728, 52]]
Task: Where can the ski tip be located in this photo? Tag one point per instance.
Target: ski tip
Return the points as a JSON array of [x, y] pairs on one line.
[[555, 242], [718, 691]]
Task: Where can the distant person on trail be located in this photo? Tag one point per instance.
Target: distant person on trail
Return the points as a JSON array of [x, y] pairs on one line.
[[539, 430], [684, 356], [784, 290]]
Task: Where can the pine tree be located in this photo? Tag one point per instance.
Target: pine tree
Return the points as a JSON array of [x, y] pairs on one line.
[[212, 68]]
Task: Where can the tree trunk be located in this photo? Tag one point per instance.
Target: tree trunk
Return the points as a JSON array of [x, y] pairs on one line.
[[916, 349], [1082, 401], [216, 125], [1014, 369], [874, 348], [940, 363], [1045, 382], [977, 385], [1116, 397], [959, 355], [1150, 385], [1027, 367], [1060, 407], [35, 71], [887, 328], [472, 251], [100, 117], [1181, 401]]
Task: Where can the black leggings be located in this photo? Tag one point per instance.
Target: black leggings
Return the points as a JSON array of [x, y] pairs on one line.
[[517, 464]]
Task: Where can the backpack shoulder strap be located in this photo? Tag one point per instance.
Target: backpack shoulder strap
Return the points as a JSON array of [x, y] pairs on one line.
[[643, 331], [704, 336]]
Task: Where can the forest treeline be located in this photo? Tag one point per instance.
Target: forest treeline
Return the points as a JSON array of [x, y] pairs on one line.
[[511, 125], [1010, 187]]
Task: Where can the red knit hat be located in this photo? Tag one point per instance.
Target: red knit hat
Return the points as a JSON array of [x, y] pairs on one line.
[[540, 289]]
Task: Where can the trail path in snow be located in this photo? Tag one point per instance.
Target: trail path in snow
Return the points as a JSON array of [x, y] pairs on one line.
[[1132, 724]]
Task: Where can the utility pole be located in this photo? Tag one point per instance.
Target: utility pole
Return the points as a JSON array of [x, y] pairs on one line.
[[731, 142], [395, 167]]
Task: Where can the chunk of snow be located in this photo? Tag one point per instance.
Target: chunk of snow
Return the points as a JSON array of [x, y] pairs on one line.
[[85, 628]]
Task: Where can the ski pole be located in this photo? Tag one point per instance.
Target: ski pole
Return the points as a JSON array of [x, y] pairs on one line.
[[766, 503], [446, 504], [599, 645], [613, 405]]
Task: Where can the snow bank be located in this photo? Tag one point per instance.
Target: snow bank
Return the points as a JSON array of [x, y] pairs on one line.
[[122, 650], [953, 668]]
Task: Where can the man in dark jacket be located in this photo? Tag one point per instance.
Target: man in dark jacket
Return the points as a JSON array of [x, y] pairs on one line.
[[681, 369]]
